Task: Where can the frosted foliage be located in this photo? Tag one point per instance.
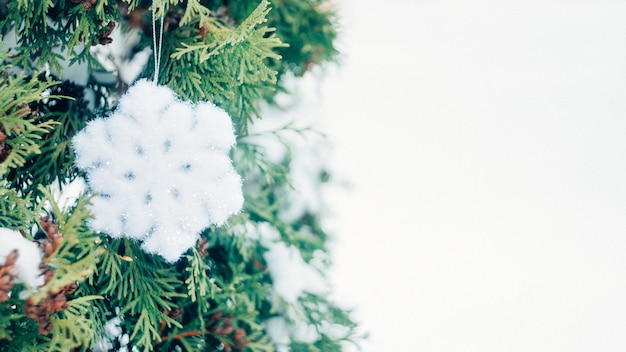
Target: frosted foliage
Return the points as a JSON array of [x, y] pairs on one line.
[[290, 273], [277, 329], [307, 150], [161, 169], [28, 260], [293, 326]]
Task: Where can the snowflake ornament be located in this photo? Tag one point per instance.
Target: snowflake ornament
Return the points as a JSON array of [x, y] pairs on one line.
[[161, 169]]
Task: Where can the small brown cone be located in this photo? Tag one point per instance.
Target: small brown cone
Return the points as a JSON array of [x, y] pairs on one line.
[[55, 301], [8, 273]]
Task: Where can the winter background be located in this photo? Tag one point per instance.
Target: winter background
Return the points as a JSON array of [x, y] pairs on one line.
[[478, 161], [485, 145]]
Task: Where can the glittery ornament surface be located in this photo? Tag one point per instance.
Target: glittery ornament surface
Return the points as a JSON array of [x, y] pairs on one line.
[[161, 169]]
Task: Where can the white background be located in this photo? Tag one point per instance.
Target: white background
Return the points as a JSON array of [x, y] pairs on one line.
[[486, 145]]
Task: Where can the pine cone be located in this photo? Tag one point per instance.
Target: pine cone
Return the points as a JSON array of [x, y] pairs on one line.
[[41, 312], [69, 289], [53, 237], [87, 4], [175, 313], [239, 338], [5, 149], [55, 301], [225, 326], [47, 272], [203, 247], [8, 272], [52, 304], [104, 34]]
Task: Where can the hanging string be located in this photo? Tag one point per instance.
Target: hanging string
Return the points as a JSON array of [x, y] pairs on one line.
[[157, 45]]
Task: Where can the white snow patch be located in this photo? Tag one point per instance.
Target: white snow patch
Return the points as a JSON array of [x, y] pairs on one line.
[[67, 194], [277, 329], [118, 57], [28, 260], [305, 333], [290, 273]]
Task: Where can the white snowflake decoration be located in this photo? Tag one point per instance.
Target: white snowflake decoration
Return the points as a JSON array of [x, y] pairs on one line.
[[161, 168]]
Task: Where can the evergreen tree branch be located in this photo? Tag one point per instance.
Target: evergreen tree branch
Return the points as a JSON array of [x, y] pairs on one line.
[[225, 66], [217, 297], [142, 286], [16, 213], [74, 326], [76, 256], [20, 130]]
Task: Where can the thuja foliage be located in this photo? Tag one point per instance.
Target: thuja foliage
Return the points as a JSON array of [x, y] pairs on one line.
[[52, 32], [107, 294]]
